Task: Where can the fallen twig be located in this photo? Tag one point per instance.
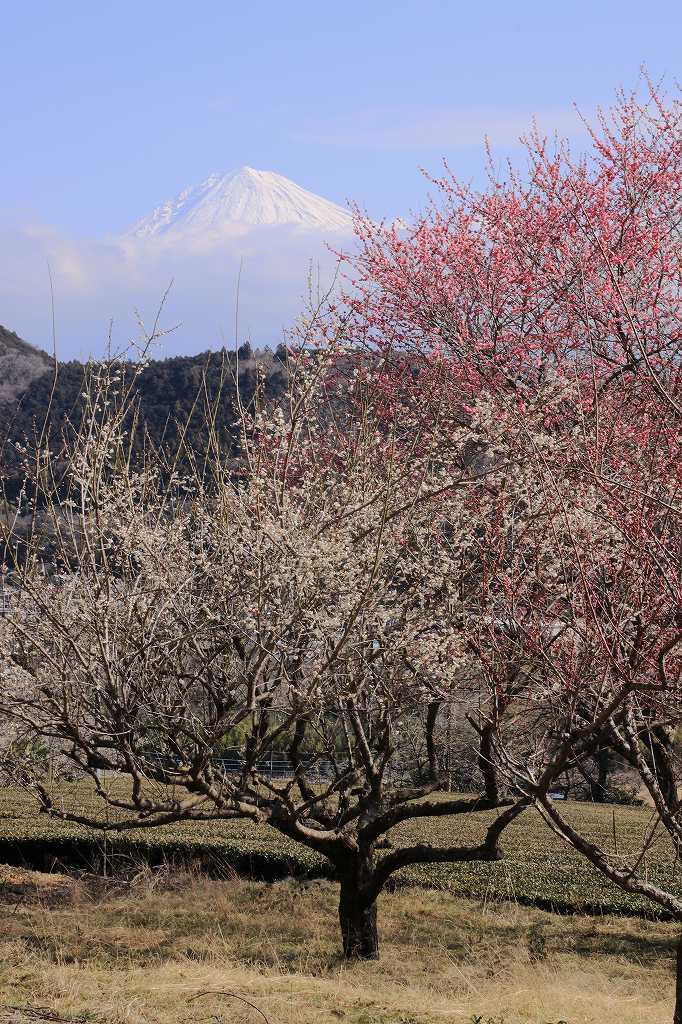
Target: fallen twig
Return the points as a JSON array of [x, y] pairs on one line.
[[232, 995]]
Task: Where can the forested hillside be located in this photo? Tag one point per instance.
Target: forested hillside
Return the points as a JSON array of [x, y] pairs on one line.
[[167, 391], [20, 365]]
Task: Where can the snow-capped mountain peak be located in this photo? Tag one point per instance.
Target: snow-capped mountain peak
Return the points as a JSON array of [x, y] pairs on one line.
[[244, 197]]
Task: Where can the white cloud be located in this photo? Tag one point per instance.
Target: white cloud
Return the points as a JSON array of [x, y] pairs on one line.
[[99, 281], [414, 128]]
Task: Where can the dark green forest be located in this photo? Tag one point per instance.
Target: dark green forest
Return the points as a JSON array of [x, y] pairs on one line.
[[167, 391]]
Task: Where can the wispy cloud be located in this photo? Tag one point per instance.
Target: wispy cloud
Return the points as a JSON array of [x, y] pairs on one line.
[[443, 129]]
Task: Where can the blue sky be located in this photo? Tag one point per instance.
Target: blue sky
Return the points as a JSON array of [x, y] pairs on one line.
[[107, 109]]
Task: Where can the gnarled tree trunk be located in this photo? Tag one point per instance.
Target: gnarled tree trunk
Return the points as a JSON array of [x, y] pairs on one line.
[[358, 911], [358, 927]]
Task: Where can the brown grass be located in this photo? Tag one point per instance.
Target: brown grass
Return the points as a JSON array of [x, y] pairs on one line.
[[139, 953]]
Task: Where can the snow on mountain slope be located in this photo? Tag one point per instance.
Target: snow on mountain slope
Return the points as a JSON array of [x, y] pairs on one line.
[[246, 198]]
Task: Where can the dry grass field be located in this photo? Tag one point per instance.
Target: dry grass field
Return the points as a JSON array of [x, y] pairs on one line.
[[161, 949]]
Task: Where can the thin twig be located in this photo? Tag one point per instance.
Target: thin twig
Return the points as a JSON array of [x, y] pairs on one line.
[[232, 995]]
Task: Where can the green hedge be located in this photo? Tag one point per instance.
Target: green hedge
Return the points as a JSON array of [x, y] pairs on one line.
[[538, 869]]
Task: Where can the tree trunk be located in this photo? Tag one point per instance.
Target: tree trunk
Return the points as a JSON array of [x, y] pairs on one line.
[[677, 1019], [599, 786], [358, 919], [431, 751], [486, 764], [358, 907], [662, 750]]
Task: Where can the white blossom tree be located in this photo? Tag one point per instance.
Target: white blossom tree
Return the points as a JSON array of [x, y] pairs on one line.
[[299, 598]]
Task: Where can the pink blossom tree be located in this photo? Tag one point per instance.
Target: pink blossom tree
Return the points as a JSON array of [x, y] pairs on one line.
[[545, 311]]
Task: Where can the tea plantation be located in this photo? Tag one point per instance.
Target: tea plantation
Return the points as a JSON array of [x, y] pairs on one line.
[[539, 868]]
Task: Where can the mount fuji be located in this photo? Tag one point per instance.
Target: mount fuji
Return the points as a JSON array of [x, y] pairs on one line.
[[248, 242], [240, 200]]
